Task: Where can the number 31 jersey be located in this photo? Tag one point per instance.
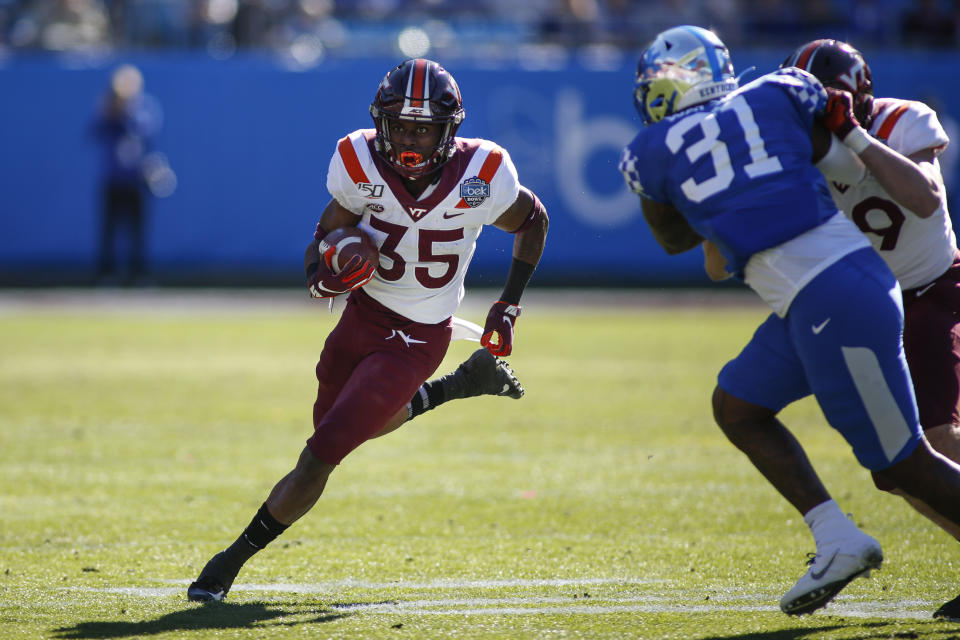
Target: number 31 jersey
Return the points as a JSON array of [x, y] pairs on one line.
[[739, 168], [426, 243], [917, 250]]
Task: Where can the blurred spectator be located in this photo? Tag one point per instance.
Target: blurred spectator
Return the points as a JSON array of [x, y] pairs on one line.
[[153, 23], [929, 23], [724, 16], [255, 19], [125, 128], [869, 23], [211, 27], [821, 16], [61, 25], [772, 22], [306, 30]]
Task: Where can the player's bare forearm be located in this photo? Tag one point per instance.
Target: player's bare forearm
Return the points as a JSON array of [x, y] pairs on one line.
[[670, 229], [912, 182], [527, 219], [333, 217], [336, 215], [528, 244], [820, 137], [714, 263]]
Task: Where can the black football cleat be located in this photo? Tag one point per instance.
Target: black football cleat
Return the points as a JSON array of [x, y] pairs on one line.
[[485, 374], [206, 589], [949, 611], [214, 582]]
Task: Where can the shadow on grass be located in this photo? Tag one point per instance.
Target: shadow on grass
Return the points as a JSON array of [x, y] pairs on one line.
[[210, 616], [783, 634], [866, 631]]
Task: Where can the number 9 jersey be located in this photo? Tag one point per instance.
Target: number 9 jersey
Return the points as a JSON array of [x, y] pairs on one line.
[[425, 244], [739, 176], [917, 250]]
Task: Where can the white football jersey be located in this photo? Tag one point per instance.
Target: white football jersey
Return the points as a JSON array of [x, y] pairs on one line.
[[426, 243], [917, 250]]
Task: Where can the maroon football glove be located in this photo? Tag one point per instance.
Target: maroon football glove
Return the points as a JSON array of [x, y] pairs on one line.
[[498, 330], [838, 116], [324, 283]]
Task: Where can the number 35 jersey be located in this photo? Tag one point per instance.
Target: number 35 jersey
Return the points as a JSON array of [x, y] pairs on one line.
[[917, 250], [739, 168], [426, 243]]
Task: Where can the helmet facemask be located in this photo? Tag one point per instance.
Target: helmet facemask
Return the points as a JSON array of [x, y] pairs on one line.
[[417, 91]]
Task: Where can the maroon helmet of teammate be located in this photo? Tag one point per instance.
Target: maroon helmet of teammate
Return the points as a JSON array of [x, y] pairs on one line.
[[837, 64], [418, 90]]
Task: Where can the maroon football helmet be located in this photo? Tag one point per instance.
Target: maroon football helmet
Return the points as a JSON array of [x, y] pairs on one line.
[[837, 64], [417, 90]]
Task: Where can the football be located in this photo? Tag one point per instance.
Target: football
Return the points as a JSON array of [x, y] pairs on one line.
[[347, 242]]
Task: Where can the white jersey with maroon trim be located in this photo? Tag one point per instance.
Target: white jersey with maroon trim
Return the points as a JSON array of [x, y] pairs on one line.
[[917, 250], [426, 243]]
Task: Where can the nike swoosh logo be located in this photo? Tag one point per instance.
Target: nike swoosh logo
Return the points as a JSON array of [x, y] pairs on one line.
[[817, 328], [447, 215], [920, 292], [816, 575]]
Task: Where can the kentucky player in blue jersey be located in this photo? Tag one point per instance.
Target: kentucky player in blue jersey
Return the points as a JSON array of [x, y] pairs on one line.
[[732, 169]]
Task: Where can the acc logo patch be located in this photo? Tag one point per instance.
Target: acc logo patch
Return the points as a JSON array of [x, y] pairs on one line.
[[375, 207], [474, 191], [370, 190]]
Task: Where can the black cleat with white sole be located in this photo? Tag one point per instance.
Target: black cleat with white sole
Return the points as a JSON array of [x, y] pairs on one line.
[[484, 374], [949, 611], [214, 582], [206, 589]]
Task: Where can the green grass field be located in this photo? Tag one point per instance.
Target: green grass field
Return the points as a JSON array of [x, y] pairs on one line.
[[138, 439]]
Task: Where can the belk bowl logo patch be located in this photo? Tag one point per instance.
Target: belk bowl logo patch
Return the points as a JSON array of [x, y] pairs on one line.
[[474, 191]]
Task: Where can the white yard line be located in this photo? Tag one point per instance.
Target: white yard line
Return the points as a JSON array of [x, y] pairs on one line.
[[663, 601]]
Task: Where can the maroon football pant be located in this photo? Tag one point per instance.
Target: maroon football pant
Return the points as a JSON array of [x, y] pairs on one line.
[[372, 363], [931, 341]]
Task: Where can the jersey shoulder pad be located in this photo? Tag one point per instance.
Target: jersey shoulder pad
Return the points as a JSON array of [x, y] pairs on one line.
[[907, 126], [495, 162], [802, 86], [631, 173], [640, 168], [490, 178], [350, 171]]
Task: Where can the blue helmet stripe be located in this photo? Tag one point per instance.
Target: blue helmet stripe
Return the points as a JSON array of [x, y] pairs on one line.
[[710, 49]]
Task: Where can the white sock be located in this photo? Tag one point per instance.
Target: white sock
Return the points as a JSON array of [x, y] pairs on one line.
[[829, 525]]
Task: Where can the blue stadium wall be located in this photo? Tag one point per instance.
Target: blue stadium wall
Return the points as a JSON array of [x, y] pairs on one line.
[[250, 140]]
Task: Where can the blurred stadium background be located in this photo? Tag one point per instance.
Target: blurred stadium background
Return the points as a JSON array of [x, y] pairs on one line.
[[255, 94]]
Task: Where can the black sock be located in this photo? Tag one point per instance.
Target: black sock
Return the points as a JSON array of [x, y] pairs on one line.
[[430, 395], [261, 531]]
